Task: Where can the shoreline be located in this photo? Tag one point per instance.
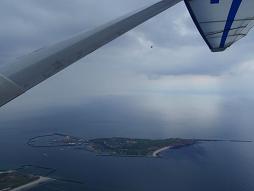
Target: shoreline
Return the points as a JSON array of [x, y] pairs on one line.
[[35, 183], [158, 151]]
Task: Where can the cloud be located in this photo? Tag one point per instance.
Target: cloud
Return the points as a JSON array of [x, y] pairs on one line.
[[178, 61]]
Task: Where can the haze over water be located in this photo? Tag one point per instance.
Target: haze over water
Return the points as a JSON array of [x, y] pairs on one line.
[[206, 166]]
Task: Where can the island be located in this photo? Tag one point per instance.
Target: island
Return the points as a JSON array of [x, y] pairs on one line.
[[117, 146], [15, 181]]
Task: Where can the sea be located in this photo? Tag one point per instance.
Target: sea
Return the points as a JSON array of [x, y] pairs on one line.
[[210, 166]]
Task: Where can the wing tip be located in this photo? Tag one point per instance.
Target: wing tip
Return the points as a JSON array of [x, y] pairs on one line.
[[218, 49]]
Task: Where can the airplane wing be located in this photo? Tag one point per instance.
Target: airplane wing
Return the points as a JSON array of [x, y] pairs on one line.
[[222, 22], [18, 77]]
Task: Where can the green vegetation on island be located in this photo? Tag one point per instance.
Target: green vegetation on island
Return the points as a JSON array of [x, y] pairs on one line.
[[135, 147]]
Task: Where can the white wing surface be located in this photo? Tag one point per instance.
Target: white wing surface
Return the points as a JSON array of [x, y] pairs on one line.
[[222, 22], [18, 77]]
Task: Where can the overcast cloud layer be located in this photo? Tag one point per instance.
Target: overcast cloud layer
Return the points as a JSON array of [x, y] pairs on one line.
[[179, 62]]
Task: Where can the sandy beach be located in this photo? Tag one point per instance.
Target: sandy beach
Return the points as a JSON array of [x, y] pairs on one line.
[[157, 152], [35, 183], [4, 172]]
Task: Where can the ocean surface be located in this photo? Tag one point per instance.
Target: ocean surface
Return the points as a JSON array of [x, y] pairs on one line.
[[225, 166]]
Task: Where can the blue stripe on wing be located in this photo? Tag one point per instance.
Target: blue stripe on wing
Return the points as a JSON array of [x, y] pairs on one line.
[[230, 20]]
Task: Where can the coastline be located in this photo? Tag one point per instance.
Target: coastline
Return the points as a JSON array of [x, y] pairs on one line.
[[35, 183], [157, 152]]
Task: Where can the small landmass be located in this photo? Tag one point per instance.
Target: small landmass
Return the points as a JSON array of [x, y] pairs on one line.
[[16, 181], [27, 177]]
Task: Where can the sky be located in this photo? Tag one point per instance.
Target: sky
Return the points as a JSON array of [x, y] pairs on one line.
[[179, 62]]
